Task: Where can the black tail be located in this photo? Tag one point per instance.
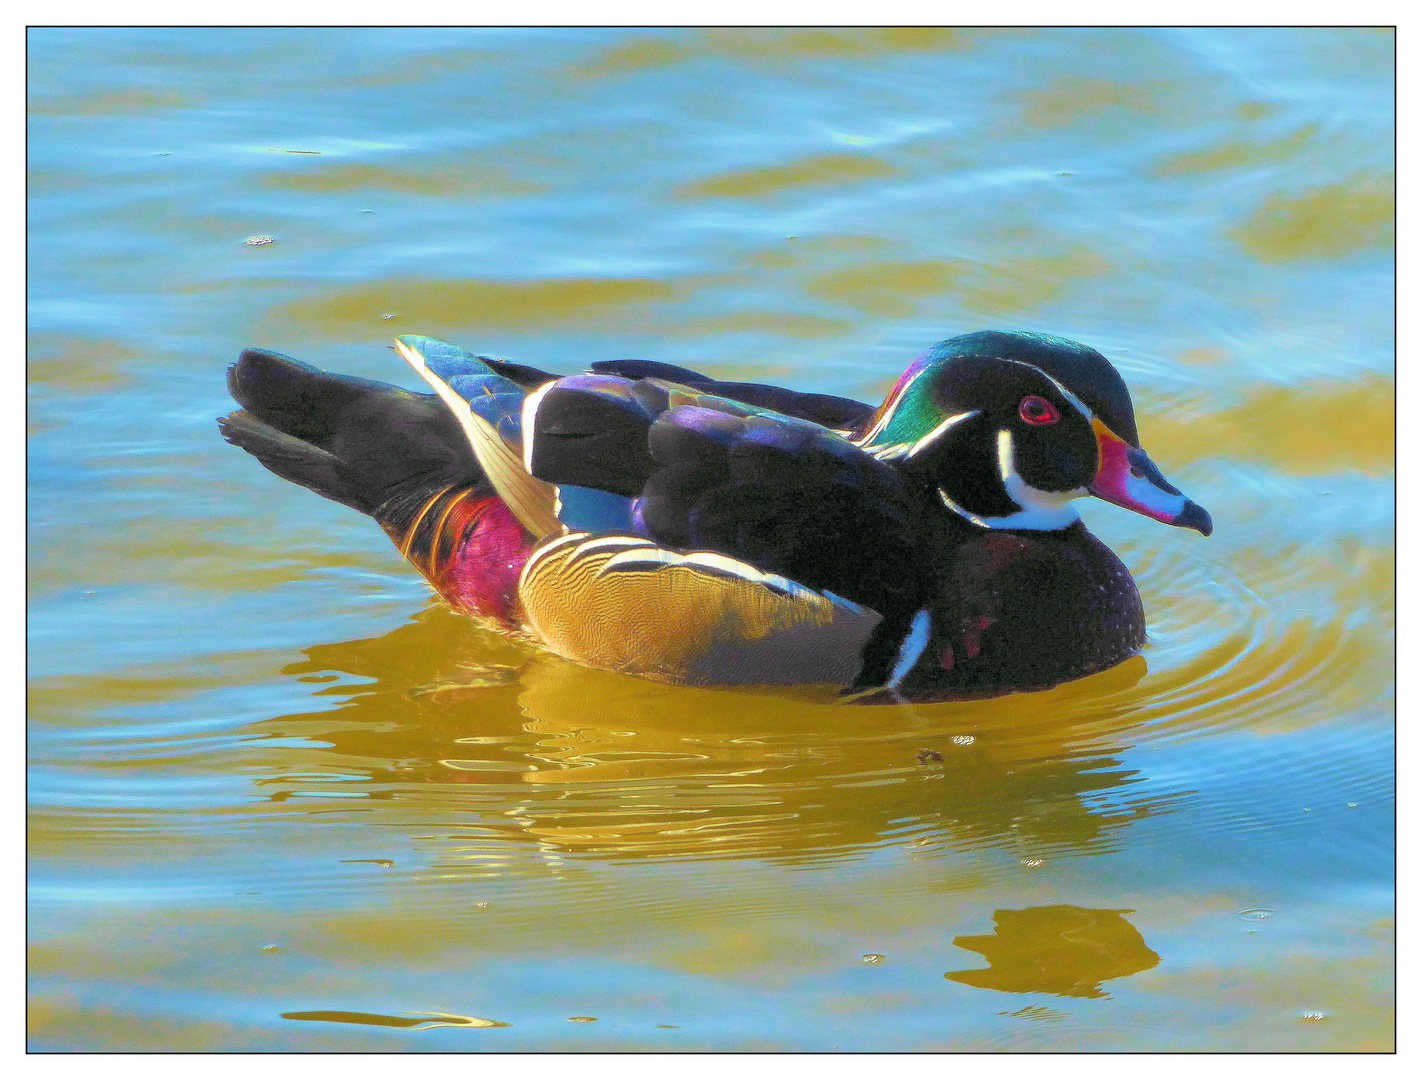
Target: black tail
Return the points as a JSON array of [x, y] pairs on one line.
[[374, 447]]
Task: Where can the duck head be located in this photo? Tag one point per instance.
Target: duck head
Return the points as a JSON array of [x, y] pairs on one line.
[[1012, 427]]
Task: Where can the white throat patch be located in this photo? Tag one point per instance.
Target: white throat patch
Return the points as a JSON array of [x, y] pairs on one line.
[[1041, 510]]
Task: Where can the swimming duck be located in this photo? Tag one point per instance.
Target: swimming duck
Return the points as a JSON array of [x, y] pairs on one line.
[[646, 518]]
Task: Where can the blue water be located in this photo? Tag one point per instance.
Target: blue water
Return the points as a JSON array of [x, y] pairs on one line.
[[238, 691]]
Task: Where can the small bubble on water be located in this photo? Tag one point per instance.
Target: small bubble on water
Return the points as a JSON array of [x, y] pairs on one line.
[[1257, 914], [1313, 1016], [259, 241], [1352, 806], [1031, 863], [387, 318], [963, 740], [872, 958], [481, 903]]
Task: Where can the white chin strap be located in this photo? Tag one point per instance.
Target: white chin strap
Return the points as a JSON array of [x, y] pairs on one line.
[[1041, 510]]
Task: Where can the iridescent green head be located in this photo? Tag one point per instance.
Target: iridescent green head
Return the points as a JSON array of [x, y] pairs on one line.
[[1013, 426]]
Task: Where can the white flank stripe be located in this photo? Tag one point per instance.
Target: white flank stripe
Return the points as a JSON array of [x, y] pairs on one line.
[[530, 409], [544, 549], [600, 543], [644, 552], [915, 641], [640, 555]]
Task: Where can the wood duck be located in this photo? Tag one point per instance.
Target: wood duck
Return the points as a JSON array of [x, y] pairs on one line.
[[648, 519]]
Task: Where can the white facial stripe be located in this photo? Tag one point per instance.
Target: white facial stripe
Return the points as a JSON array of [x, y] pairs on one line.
[[1004, 456], [889, 412], [530, 409], [928, 439], [1076, 401], [1041, 510], [915, 641]]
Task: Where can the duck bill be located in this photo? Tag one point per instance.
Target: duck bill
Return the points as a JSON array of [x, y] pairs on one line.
[[1127, 477]]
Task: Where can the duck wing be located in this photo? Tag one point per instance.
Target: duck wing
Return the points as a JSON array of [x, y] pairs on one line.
[[781, 493], [836, 413]]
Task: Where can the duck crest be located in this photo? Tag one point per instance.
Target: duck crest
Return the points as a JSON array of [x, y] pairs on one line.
[[907, 414]]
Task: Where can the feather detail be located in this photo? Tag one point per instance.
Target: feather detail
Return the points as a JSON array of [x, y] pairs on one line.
[[532, 501], [625, 604]]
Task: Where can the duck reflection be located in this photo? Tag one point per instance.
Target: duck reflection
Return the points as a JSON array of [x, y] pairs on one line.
[[456, 725], [1062, 949]]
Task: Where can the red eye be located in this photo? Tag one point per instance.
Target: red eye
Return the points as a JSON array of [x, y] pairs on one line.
[[1038, 410]]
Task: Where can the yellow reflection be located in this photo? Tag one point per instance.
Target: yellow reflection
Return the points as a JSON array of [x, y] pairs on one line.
[[1314, 429], [778, 44], [1330, 221], [1238, 154], [891, 289], [894, 289], [413, 69], [1071, 99], [1063, 949], [409, 1020], [465, 179], [773, 44], [1022, 285], [75, 363], [815, 251], [590, 762], [784, 323], [108, 103], [641, 55], [442, 304], [821, 170], [187, 551]]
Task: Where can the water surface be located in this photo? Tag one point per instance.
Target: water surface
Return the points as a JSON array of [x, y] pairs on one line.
[[282, 799]]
